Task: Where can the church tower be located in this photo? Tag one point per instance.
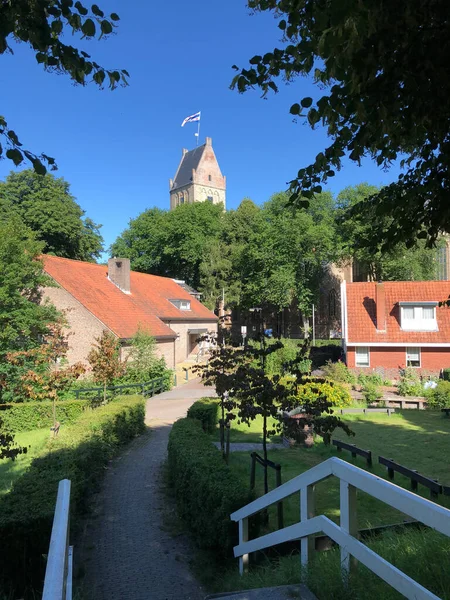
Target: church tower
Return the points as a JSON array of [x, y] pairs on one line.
[[198, 178]]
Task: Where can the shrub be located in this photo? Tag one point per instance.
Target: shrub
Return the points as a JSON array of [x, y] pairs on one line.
[[37, 415], [206, 489], [370, 378], [371, 393], [334, 393], [440, 396], [409, 384], [338, 371], [205, 410], [80, 454], [446, 374]]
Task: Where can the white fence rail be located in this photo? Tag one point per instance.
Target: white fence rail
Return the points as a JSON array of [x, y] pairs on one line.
[[58, 574], [345, 535]]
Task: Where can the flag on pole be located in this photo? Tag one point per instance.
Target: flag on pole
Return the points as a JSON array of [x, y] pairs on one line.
[[191, 119]]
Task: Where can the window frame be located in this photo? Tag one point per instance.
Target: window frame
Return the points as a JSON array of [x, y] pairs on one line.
[[419, 353], [418, 322], [359, 348]]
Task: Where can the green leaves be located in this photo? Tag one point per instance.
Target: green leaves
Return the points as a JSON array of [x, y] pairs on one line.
[[88, 28], [15, 155], [306, 102], [295, 109], [106, 27]]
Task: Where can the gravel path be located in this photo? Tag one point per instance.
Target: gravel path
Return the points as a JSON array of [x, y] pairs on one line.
[[124, 550]]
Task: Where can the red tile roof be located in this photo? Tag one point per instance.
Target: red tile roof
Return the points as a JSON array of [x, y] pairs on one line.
[[361, 312], [147, 306]]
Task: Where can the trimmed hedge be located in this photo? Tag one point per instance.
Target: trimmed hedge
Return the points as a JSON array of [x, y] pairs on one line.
[[25, 416], [79, 453], [206, 489], [205, 410]]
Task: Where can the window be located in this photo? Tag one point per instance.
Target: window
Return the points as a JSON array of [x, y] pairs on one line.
[[209, 198], [182, 304], [332, 303], [413, 357], [418, 316], [362, 356], [209, 177]]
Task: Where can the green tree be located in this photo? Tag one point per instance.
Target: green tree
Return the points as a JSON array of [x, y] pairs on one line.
[[171, 243], [382, 77], [46, 206], [44, 26], [143, 363], [398, 263], [24, 318], [104, 359]]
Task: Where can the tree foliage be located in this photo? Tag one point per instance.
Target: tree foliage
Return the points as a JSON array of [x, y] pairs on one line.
[[381, 72], [24, 318], [46, 206], [143, 363], [44, 26], [104, 359]]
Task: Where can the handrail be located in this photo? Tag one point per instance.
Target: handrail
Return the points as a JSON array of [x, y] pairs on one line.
[[345, 534], [159, 381], [58, 573]]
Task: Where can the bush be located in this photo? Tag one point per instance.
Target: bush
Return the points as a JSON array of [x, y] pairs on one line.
[[371, 393], [440, 396], [338, 371], [334, 393], [446, 374], [24, 416], [370, 378], [205, 410], [80, 454], [409, 384], [206, 489]]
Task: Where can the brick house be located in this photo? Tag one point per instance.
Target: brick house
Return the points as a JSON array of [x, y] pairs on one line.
[[97, 297], [391, 325]]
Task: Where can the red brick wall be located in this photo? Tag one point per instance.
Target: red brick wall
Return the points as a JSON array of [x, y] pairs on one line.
[[390, 360]]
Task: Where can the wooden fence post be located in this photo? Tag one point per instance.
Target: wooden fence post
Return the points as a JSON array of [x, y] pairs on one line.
[[349, 523], [243, 537], [307, 510], [279, 504]]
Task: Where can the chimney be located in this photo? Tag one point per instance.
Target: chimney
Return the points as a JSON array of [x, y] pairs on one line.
[[209, 141], [119, 273], [380, 305]]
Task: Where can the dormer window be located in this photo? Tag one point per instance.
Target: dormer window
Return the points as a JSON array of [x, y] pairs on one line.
[[182, 304], [418, 316]]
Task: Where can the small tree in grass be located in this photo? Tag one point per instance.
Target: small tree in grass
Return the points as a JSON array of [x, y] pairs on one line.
[[143, 363], [105, 361], [8, 448]]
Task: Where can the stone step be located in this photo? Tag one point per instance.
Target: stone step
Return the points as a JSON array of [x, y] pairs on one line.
[[282, 592]]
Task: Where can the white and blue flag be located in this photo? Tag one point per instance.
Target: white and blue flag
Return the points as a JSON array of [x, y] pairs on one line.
[[191, 119]]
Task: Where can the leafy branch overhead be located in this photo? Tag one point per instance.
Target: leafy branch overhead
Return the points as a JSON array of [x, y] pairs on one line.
[[43, 25], [382, 76]]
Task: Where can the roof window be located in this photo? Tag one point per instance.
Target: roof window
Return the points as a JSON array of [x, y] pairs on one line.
[[418, 316], [182, 304]]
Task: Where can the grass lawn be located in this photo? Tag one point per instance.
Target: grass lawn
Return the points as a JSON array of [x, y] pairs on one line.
[[416, 439], [10, 470]]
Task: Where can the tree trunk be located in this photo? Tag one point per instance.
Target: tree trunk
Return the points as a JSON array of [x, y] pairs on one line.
[[104, 393], [266, 482], [54, 416]]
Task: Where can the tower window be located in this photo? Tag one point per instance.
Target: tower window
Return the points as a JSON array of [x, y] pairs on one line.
[[209, 177], [209, 198]]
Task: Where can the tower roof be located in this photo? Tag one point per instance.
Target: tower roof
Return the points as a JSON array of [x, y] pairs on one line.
[[191, 160]]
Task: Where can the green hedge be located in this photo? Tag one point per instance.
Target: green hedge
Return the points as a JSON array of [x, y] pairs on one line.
[[25, 416], [446, 374], [205, 410], [79, 453], [206, 489]]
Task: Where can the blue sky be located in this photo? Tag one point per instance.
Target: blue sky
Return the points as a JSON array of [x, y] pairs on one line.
[[119, 149]]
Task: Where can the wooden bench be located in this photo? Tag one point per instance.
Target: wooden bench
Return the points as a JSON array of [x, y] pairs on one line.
[[415, 477]]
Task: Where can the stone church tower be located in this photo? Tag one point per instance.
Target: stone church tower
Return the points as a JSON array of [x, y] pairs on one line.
[[198, 178]]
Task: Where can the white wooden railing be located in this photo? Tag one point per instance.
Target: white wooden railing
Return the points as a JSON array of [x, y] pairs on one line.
[[345, 535], [58, 574]]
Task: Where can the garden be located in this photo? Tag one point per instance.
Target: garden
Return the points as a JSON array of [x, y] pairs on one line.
[[249, 411]]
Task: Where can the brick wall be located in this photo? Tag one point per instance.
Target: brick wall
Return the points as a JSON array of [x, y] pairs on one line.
[[390, 360], [182, 348], [83, 326]]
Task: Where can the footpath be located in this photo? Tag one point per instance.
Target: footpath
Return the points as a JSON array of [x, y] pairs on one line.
[[124, 551]]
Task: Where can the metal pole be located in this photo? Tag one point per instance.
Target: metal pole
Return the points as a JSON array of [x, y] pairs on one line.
[[198, 129], [313, 326]]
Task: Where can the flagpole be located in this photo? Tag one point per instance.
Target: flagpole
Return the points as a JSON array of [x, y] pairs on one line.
[[198, 129]]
